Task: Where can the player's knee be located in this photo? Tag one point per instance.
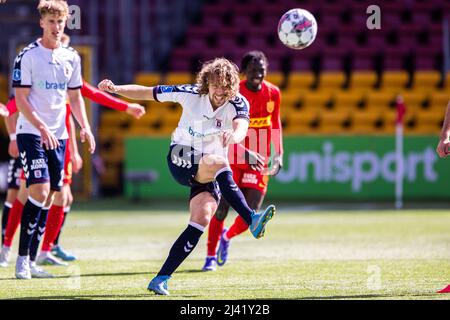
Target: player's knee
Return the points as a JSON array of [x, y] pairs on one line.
[[39, 194], [214, 163]]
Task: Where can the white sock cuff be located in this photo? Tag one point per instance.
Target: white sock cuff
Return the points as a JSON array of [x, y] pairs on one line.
[[67, 209], [222, 170], [8, 204], [35, 202], [197, 226]]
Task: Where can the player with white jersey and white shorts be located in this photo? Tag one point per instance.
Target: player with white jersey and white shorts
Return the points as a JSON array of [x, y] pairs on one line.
[[214, 116], [45, 74]]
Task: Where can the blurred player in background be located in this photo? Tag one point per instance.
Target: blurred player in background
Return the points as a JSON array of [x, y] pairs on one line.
[[63, 199], [443, 151], [45, 74], [214, 116], [264, 99]]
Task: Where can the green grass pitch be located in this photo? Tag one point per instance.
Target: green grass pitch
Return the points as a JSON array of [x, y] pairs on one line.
[[304, 255]]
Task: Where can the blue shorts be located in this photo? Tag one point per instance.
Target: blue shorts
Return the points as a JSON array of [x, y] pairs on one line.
[[40, 165], [14, 173], [183, 164]]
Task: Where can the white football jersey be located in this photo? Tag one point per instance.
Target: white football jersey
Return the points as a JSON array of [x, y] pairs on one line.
[[49, 73], [200, 126]]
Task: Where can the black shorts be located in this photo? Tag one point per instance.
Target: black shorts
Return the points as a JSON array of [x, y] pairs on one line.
[[183, 164], [14, 173], [41, 165]]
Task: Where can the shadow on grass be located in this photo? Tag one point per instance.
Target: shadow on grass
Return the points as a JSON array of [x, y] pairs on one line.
[[362, 296], [148, 273], [99, 296]]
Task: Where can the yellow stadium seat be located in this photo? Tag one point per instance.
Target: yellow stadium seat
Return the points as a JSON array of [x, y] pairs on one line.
[[333, 121], [148, 78], [111, 176], [363, 79], [426, 79], [393, 80], [300, 81], [413, 99], [114, 119], [275, 78], [379, 100], [439, 99], [364, 121], [347, 99], [447, 81], [331, 80], [300, 122], [173, 78], [316, 99]]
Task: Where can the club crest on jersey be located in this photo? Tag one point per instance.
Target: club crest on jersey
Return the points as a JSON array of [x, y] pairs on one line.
[[17, 75], [270, 106], [218, 123]]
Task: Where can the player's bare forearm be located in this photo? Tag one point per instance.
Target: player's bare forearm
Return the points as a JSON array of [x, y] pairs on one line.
[[27, 110], [73, 137], [131, 91], [10, 123], [445, 133], [240, 128], [78, 108]]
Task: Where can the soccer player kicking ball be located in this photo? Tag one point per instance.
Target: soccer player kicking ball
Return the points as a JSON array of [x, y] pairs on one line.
[[265, 122], [44, 74], [443, 151], [214, 116]]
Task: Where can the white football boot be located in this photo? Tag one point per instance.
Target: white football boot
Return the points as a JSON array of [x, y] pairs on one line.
[[4, 256], [23, 268], [38, 272]]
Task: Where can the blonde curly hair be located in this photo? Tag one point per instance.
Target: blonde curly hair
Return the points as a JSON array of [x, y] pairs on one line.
[[220, 72], [56, 7]]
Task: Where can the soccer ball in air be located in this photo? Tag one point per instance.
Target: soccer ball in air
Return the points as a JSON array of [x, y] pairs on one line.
[[297, 29]]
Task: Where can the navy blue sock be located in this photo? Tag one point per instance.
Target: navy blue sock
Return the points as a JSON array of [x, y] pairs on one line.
[[231, 192], [182, 247], [5, 215], [28, 226], [37, 236]]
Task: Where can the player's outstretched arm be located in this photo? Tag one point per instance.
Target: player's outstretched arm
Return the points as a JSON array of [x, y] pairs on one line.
[[47, 138], [108, 100], [79, 112], [131, 91], [444, 142]]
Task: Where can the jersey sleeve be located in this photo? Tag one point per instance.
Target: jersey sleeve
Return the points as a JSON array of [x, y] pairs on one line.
[[12, 106], [21, 76], [177, 93], [241, 108], [102, 97], [76, 82]]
